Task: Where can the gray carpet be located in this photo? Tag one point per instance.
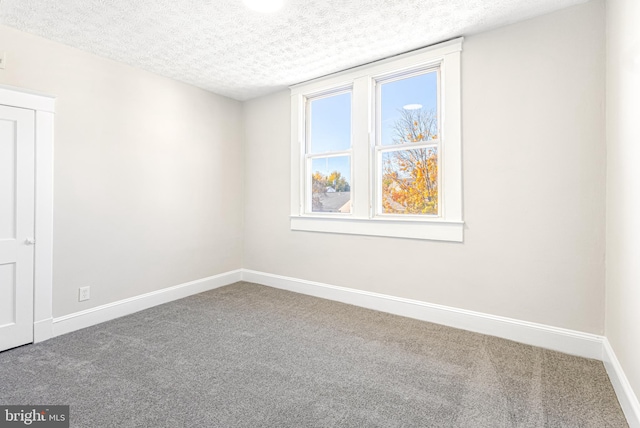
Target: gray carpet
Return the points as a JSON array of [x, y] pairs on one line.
[[252, 356]]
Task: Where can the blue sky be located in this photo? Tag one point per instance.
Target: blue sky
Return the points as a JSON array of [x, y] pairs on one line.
[[331, 131], [420, 89], [331, 118], [331, 123]]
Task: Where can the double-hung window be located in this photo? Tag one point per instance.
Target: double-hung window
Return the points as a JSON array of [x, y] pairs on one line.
[[376, 150], [328, 152]]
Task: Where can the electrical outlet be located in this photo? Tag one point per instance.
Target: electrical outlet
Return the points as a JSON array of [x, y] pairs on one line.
[[84, 294], [3, 59]]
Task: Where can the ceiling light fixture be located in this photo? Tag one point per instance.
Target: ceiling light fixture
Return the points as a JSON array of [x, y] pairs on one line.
[[412, 106], [264, 6]]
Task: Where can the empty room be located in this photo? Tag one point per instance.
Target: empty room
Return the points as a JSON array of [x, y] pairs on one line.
[[287, 213]]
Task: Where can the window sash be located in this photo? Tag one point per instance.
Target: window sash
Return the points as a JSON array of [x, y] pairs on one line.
[[380, 80], [322, 95], [378, 175], [308, 181]]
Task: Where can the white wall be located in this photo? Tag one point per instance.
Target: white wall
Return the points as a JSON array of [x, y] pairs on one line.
[[148, 174], [149, 181], [534, 187], [623, 185]]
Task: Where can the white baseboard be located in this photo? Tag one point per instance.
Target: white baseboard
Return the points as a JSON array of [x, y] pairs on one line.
[[557, 339], [554, 338], [627, 398], [93, 316]]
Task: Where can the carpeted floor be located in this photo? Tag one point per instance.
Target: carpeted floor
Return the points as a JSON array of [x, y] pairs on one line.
[[252, 356]]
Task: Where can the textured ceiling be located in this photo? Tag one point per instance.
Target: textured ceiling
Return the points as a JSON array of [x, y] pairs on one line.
[[221, 46]]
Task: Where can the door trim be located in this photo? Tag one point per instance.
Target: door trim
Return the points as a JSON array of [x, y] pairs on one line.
[[44, 107]]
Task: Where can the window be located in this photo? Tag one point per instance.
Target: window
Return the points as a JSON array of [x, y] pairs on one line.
[[328, 153], [407, 144], [376, 150]]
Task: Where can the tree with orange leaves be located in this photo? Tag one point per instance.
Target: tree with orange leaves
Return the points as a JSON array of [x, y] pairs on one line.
[[410, 175]]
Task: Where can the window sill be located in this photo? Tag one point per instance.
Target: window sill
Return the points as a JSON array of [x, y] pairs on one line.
[[436, 230]]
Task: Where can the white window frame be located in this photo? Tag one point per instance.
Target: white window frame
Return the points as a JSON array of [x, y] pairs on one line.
[[364, 219]]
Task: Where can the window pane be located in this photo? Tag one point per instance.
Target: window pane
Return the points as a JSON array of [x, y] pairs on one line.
[[330, 124], [409, 109], [410, 181], [331, 184]]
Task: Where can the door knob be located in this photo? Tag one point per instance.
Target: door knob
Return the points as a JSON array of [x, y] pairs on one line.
[[30, 241]]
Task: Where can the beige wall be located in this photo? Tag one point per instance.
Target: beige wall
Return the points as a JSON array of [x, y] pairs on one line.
[[149, 181], [534, 187], [623, 185], [148, 174]]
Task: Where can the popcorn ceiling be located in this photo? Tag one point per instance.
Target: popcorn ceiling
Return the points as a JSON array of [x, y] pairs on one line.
[[221, 46]]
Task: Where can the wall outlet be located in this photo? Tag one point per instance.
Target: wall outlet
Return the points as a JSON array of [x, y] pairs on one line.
[[3, 59], [84, 294]]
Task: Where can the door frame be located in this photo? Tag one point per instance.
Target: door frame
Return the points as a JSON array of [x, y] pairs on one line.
[[44, 107]]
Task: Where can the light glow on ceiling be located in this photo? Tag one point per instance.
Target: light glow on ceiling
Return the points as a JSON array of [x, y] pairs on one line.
[[412, 106], [264, 6]]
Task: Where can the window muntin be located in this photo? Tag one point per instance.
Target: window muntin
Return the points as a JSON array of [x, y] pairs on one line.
[[407, 143]]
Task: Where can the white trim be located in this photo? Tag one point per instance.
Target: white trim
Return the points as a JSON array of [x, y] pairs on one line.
[[544, 336], [42, 330], [627, 398], [44, 106], [437, 230], [297, 154], [407, 60], [25, 98], [99, 314], [43, 275]]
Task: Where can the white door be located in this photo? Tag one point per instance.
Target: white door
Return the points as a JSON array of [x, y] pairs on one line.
[[17, 211]]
